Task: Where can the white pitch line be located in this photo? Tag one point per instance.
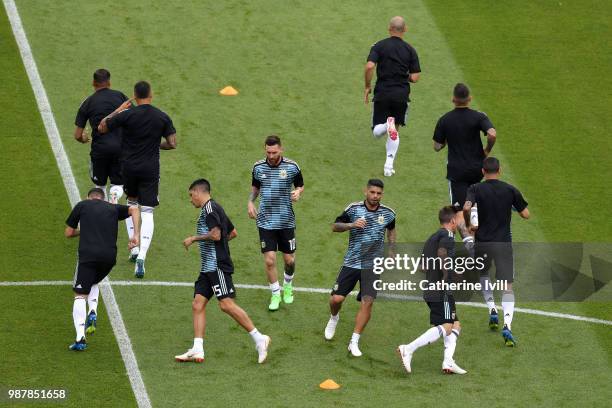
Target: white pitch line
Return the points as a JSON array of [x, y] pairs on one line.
[[315, 290], [63, 164]]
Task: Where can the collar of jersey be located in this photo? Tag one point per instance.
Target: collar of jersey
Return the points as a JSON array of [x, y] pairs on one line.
[[366, 207], [279, 163]]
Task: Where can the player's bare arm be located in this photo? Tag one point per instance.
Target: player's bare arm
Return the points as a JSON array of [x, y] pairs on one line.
[[212, 235], [467, 207], [232, 234], [491, 138], [102, 127], [134, 212], [346, 226], [169, 143], [297, 193], [369, 73], [438, 146], [80, 135], [70, 232], [525, 213], [252, 210], [414, 77]]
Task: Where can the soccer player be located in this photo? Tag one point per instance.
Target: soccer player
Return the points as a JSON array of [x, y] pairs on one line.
[[397, 64], [143, 127], [105, 163], [97, 255], [442, 313], [367, 221], [214, 230], [460, 129], [272, 180], [495, 200]]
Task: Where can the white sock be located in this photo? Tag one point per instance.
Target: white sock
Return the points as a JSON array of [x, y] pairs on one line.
[[508, 308], [379, 130], [275, 288], [92, 298], [79, 313], [392, 146], [450, 343], [198, 344], [487, 293], [103, 188], [256, 335], [355, 338], [288, 278], [146, 230], [129, 222], [115, 193], [430, 336]]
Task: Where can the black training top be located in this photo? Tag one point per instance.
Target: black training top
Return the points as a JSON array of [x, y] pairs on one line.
[[434, 270], [460, 129], [95, 108], [98, 237], [495, 200], [394, 59], [143, 127]]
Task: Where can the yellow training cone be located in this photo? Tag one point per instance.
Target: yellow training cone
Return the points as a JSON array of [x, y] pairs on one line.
[[228, 91], [329, 385]]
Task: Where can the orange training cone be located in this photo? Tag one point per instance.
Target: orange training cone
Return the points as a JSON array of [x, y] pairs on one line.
[[329, 385], [228, 91]]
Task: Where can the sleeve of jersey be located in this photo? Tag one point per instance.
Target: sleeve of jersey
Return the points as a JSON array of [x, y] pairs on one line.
[[123, 211], [485, 123], [81, 117], [519, 202], [230, 225], [373, 55], [471, 194], [255, 181], [344, 217], [168, 127], [414, 66], [75, 215], [298, 180], [439, 135], [212, 220], [391, 225]]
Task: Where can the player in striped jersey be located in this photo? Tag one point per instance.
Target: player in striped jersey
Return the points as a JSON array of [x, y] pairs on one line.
[[214, 230], [278, 182], [367, 221]]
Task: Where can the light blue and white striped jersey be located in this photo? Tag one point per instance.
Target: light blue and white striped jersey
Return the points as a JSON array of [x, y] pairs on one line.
[[275, 184], [368, 242]]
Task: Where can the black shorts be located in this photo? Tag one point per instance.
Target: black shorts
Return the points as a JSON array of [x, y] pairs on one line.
[[348, 278], [277, 240], [217, 282], [443, 312], [105, 168], [142, 185], [457, 191], [88, 274], [499, 253], [385, 108]]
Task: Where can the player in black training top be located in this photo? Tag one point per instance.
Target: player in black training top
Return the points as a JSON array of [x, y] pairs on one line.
[[442, 313], [213, 231], [495, 201], [460, 129], [397, 64], [105, 163], [97, 255], [143, 128]]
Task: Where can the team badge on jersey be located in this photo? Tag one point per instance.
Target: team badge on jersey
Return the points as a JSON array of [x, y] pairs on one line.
[[381, 219], [283, 174]]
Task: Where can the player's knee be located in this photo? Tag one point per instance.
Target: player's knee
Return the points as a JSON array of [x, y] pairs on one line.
[[448, 328], [270, 261], [367, 302], [197, 305], [226, 305], [336, 299]]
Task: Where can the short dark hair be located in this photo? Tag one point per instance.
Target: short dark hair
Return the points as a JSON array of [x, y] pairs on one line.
[[101, 76], [490, 165], [142, 90], [202, 184], [96, 192], [376, 183], [461, 92], [273, 140], [446, 214]]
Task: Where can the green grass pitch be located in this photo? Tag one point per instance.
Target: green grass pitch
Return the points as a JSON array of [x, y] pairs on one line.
[[541, 71]]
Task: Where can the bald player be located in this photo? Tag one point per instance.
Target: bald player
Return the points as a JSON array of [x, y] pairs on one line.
[[397, 65]]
